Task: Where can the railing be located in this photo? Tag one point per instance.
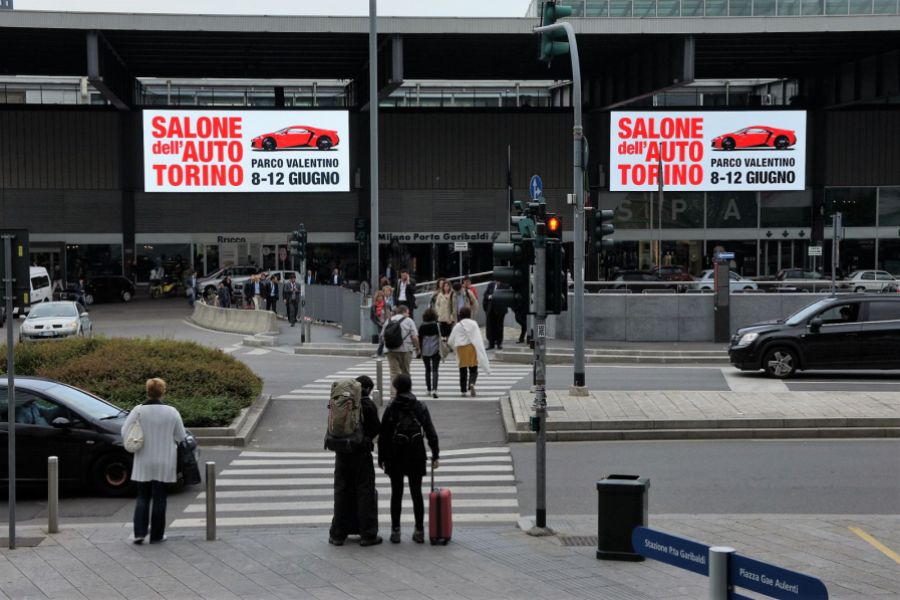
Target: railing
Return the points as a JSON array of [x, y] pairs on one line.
[[335, 304], [787, 286]]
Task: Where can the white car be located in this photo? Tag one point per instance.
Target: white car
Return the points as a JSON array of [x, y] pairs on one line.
[[706, 282], [208, 285], [870, 281], [51, 320]]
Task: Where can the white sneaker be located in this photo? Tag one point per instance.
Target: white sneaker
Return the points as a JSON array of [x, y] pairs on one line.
[[434, 395]]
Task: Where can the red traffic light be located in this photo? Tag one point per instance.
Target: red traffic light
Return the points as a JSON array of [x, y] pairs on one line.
[[553, 225]]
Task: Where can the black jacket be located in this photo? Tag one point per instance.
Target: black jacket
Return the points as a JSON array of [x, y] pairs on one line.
[[410, 459], [410, 299], [370, 424]]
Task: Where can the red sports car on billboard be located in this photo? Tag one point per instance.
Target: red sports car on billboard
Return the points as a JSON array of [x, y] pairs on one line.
[[296, 136], [756, 136]]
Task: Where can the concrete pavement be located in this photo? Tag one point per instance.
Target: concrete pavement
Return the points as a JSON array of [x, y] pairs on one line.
[[479, 563]]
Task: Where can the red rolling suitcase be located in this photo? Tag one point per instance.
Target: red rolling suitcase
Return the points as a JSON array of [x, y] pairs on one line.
[[440, 514]]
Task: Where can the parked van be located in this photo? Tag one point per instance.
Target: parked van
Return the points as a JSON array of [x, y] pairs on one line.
[[41, 290]]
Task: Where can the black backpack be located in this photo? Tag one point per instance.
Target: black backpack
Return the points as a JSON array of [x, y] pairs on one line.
[[393, 334], [408, 427]]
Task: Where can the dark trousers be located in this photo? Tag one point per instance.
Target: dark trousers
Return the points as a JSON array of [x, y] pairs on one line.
[[272, 304], [355, 498], [472, 373], [293, 308], [445, 328], [147, 491], [415, 490], [522, 320], [494, 328], [431, 371]]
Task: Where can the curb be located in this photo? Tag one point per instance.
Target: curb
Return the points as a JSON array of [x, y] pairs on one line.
[[342, 350], [713, 429], [240, 429], [555, 358]]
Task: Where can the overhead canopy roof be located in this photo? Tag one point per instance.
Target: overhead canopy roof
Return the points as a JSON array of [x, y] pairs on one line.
[[264, 47]]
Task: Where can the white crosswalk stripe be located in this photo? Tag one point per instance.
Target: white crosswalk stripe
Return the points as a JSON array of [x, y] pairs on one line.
[[489, 387], [296, 488]]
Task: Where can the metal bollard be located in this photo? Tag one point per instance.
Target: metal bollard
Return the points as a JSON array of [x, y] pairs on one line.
[[52, 494], [719, 588], [210, 501], [379, 379]]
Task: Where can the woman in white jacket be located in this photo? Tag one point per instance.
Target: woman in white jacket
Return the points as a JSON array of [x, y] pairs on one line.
[[466, 340], [155, 462]]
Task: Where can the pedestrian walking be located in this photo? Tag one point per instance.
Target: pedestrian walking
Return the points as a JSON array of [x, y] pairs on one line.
[[272, 294], [336, 277], [494, 315], [155, 461], [405, 292], [401, 339], [388, 292], [355, 497], [467, 283], [292, 298], [439, 285], [446, 313], [80, 291], [379, 314], [466, 340], [191, 283], [249, 291], [223, 295], [430, 341], [462, 298], [401, 453]]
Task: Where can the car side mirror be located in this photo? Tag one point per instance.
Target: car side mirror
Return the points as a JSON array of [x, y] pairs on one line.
[[815, 325], [61, 422]]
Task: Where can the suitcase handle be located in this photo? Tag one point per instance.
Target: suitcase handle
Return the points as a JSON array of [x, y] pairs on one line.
[[432, 475]]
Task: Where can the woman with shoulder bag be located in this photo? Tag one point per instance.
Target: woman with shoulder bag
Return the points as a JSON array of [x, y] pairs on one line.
[[430, 341], [443, 305], [379, 314], [162, 430], [466, 340]]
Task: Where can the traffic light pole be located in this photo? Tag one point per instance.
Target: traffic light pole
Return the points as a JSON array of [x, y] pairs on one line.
[[540, 377], [303, 337], [11, 387], [578, 182], [373, 144]]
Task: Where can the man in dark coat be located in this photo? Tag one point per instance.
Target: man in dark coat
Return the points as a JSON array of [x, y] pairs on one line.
[[494, 315], [405, 292], [355, 498]]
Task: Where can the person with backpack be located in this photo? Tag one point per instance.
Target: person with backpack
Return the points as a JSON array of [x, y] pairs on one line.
[[466, 340], [400, 340], [355, 498], [430, 339], [401, 453]]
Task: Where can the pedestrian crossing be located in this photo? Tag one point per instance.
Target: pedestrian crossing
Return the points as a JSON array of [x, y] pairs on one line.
[[489, 387], [296, 488]]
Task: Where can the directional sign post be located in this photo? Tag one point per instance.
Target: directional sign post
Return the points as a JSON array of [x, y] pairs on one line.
[[739, 571], [536, 187]]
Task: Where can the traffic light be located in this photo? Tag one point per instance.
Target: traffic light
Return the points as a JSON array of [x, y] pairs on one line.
[[361, 228], [550, 12], [601, 228], [557, 284], [517, 274], [297, 244], [554, 227]]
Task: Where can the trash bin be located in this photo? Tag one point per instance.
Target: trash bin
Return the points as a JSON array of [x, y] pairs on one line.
[[621, 506]]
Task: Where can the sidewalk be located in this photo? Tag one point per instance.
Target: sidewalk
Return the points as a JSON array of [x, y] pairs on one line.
[[480, 563], [756, 412]]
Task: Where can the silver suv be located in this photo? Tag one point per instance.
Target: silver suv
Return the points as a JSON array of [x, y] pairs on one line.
[[210, 284]]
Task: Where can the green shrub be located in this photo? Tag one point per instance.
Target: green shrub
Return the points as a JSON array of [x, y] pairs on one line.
[[208, 387]]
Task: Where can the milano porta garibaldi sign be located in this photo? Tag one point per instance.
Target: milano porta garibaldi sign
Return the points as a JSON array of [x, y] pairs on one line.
[[708, 151], [246, 151]]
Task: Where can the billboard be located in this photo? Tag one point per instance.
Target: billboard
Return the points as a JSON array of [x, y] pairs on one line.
[[707, 151], [246, 151]]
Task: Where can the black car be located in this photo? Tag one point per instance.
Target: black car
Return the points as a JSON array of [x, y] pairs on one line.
[[84, 431], [110, 288], [853, 331]]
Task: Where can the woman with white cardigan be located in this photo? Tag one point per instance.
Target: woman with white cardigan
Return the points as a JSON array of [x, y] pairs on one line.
[[466, 340], [155, 462]]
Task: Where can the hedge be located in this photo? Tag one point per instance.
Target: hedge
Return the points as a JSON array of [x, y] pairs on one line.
[[207, 386]]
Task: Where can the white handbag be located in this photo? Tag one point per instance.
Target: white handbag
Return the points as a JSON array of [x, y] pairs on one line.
[[134, 437]]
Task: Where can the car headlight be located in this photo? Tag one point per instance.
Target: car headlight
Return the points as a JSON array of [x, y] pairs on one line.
[[71, 326], [746, 340]]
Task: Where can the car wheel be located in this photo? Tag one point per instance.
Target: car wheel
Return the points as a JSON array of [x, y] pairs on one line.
[[859, 290], [269, 144], [781, 142], [126, 296], [88, 299], [728, 144], [112, 474], [324, 143], [780, 362], [748, 287]]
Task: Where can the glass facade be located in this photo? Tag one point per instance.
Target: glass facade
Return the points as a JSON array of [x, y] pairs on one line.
[[723, 8], [767, 231]]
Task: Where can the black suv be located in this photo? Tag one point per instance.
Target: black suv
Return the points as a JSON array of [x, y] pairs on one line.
[[852, 331]]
